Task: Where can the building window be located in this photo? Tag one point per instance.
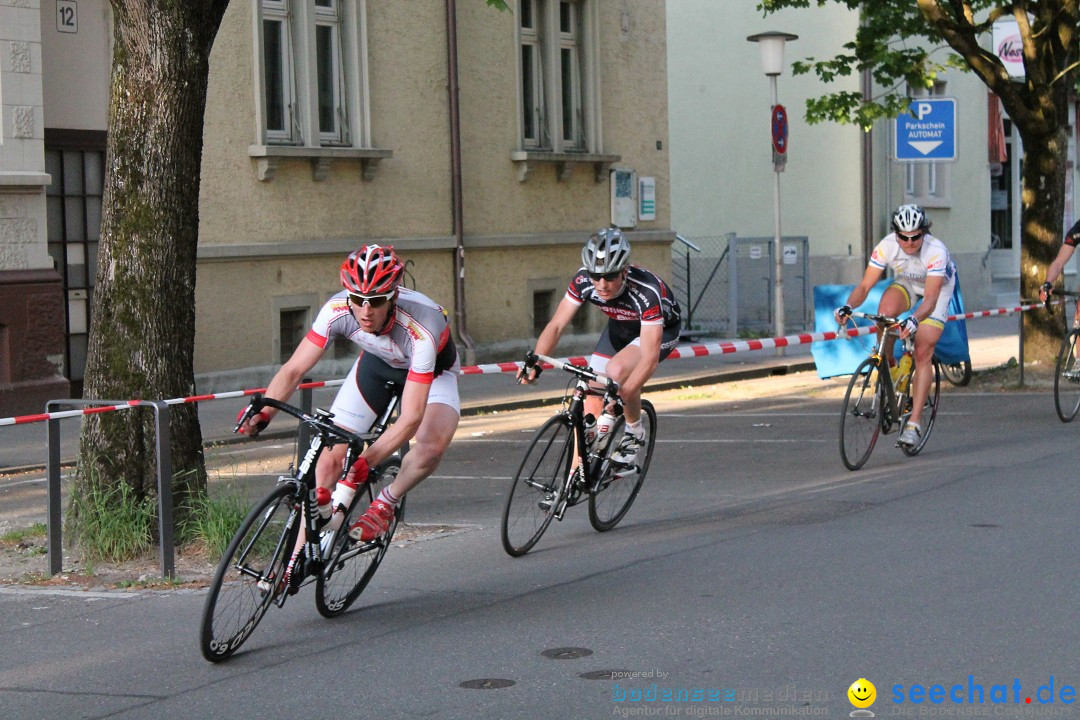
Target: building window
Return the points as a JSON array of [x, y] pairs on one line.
[[558, 98], [293, 326], [310, 74], [926, 183], [545, 302], [75, 160]]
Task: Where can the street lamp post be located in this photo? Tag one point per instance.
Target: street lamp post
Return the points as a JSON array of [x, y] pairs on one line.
[[772, 64]]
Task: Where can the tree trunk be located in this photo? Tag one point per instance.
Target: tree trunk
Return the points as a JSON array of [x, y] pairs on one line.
[[142, 330], [1043, 207]]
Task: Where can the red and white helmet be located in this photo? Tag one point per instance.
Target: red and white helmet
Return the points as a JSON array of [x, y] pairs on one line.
[[372, 270]]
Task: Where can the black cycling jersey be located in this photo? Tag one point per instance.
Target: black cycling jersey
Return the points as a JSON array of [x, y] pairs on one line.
[[645, 299], [1072, 237]]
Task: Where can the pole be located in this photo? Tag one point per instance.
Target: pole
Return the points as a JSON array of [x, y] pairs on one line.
[[778, 260]]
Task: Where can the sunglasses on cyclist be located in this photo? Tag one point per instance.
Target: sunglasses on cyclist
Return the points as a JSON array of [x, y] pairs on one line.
[[375, 301], [610, 277], [910, 238]]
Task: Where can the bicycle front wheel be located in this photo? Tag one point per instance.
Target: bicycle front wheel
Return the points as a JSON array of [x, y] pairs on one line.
[[350, 565], [247, 579], [929, 413], [861, 417], [619, 485], [538, 485], [1067, 379]]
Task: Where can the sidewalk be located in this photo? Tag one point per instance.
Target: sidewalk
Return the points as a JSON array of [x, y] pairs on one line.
[[992, 342]]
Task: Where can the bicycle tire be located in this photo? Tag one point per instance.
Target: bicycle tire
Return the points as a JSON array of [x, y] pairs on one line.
[[245, 583], [1067, 389], [540, 479], [932, 400], [616, 493], [958, 374], [350, 565], [861, 415]]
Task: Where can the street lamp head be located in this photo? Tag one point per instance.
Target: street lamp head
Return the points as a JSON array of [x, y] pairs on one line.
[[772, 50]]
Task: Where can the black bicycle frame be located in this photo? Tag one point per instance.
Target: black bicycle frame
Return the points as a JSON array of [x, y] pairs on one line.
[[325, 435]]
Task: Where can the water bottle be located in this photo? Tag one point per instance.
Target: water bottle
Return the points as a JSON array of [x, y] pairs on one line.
[[903, 372], [603, 430], [590, 429], [340, 502]]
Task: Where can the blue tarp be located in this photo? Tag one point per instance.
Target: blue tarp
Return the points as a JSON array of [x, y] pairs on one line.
[[841, 357]]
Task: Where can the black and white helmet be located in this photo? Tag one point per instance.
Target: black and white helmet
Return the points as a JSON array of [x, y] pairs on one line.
[[607, 251], [909, 219]]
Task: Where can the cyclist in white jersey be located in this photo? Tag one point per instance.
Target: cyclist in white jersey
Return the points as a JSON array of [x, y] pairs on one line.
[[922, 270], [404, 337]]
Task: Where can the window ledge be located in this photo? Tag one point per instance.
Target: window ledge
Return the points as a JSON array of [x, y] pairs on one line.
[[564, 163], [29, 182], [267, 158]]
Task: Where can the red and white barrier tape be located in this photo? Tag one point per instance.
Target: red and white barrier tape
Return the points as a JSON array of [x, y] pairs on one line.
[[682, 351]]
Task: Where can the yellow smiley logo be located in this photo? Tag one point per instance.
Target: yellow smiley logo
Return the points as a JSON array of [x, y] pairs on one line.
[[862, 693]]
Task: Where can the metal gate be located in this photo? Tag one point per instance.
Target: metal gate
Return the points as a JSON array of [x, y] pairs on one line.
[[724, 285], [752, 277]]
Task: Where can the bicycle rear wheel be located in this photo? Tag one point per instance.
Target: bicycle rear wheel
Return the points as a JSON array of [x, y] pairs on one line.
[[861, 416], [350, 565], [538, 485], [619, 486], [958, 374], [1067, 379], [246, 580], [929, 413]]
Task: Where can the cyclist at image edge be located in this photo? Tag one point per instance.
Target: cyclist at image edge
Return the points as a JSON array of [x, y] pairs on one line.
[[923, 270], [643, 327], [1068, 247], [403, 336]]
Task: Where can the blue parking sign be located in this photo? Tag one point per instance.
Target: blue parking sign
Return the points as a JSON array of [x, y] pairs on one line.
[[927, 131]]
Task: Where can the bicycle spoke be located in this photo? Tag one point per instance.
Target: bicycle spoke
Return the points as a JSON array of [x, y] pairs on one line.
[[862, 415], [349, 565], [248, 576], [929, 413], [620, 484], [1067, 379], [534, 492]]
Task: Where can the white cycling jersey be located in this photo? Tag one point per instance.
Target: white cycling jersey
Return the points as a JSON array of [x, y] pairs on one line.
[[417, 339], [932, 260]]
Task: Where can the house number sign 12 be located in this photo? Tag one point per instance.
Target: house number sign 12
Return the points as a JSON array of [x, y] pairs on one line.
[[67, 16]]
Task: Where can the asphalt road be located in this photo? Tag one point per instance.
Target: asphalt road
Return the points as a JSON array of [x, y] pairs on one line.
[[753, 568]]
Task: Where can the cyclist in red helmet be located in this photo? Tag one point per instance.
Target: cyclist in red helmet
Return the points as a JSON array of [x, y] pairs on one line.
[[403, 336]]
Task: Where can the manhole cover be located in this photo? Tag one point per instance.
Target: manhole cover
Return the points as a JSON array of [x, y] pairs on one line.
[[486, 684], [603, 674], [567, 653]]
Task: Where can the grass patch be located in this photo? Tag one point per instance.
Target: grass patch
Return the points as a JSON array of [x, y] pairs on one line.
[[37, 531], [212, 522], [113, 524]]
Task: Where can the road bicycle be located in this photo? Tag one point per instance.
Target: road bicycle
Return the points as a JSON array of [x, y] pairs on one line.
[[562, 468], [251, 575], [1067, 371], [873, 405]]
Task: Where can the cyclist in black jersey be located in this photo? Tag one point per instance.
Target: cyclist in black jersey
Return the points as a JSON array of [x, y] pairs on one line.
[[643, 326], [1068, 247]]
